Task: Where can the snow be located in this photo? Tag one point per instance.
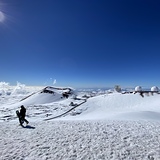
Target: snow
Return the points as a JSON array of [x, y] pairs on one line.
[[80, 140], [119, 106], [86, 125]]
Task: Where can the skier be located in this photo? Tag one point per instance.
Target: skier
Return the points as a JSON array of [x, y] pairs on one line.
[[22, 115]]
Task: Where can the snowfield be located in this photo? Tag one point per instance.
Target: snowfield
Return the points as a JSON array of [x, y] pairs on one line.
[[72, 140], [69, 125]]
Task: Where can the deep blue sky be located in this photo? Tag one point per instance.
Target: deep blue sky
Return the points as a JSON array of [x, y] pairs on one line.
[[80, 43]]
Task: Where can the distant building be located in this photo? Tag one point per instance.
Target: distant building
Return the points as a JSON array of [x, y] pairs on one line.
[[154, 89], [117, 88], [138, 89]]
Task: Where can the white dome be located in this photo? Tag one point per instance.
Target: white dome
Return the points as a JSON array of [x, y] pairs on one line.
[[154, 89], [138, 88]]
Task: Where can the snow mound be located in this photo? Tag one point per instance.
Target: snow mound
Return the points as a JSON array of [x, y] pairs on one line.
[[48, 95], [121, 106]]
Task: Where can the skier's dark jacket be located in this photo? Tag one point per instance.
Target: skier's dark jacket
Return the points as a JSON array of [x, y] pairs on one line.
[[23, 112]]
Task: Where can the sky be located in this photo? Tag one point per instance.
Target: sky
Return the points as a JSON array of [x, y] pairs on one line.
[[80, 43]]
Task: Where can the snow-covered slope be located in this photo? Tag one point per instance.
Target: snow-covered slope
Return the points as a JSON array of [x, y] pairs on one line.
[[99, 127], [51, 102], [47, 95], [46, 103], [121, 106]]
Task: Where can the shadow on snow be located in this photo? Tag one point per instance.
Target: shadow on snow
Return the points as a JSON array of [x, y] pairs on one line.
[[29, 127]]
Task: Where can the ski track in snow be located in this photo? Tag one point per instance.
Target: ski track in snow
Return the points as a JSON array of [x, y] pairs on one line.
[[82, 140]]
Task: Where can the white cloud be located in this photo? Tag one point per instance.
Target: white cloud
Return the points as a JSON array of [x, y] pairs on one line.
[[2, 16], [54, 82]]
